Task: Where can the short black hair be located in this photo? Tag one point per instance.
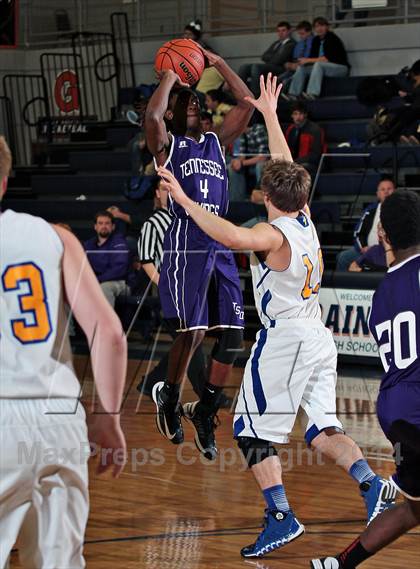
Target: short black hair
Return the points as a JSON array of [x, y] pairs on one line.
[[415, 68], [104, 213], [299, 106], [304, 25], [400, 219], [284, 24], [205, 116], [387, 178], [320, 20], [215, 95]]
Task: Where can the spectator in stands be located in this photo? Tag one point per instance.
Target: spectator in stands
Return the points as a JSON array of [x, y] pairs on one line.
[[407, 120], [206, 121], [306, 139], [210, 78], [274, 58], [373, 260], [215, 104], [302, 49], [128, 224], [109, 256], [141, 159], [328, 58], [245, 169], [366, 232]]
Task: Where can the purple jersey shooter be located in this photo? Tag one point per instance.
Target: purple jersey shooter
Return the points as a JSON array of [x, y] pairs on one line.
[[199, 283]]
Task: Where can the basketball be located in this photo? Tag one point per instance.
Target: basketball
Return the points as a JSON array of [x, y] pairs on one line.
[[182, 56]]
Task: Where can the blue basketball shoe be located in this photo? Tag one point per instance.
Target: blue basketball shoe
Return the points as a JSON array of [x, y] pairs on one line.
[[280, 528], [379, 495]]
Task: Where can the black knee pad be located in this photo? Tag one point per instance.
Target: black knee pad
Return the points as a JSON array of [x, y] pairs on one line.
[[255, 450], [228, 345]]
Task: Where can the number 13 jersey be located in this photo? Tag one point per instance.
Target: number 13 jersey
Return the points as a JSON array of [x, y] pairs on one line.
[[35, 355], [292, 293]]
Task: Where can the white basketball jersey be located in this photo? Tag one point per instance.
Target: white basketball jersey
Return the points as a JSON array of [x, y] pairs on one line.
[[35, 355], [292, 293]]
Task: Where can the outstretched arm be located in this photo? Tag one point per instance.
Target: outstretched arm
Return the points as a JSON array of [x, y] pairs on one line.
[[236, 120], [154, 124], [107, 343], [267, 105], [261, 237]]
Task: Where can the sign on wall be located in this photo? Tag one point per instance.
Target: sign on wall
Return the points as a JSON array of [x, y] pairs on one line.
[[346, 313], [8, 23]]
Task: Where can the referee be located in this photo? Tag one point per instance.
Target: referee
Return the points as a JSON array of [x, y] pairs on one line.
[[150, 243], [150, 247]]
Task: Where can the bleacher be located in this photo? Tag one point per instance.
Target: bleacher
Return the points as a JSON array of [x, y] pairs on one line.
[[69, 178]]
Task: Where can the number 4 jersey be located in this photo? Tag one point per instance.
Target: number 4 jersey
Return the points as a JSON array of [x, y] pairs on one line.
[[35, 355], [395, 322]]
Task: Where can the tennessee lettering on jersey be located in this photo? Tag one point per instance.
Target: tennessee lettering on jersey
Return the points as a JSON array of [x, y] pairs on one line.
[[201, 166]]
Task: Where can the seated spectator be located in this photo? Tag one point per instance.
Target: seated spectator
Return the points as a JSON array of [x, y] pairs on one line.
[[216, 105], [245, 169], [206, 121], [274, 58], [109, 257], [328, 58], [305, 138], [373, 260], [210, 78], [127, 223], [302, 49], [366, 232]]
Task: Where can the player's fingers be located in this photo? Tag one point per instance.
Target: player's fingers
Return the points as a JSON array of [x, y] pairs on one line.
[[269, 81], [262, 84], [274, 85], [278, 90]]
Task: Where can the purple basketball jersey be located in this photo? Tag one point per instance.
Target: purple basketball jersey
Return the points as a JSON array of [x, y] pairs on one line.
[[200, 168], [395, 323]]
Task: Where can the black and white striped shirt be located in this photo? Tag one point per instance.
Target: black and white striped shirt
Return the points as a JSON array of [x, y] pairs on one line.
[[152, 233]]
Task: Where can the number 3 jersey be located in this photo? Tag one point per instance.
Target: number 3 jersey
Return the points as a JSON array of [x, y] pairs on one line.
[[395, 323], [199, 167], [292, 293], [35, 355]]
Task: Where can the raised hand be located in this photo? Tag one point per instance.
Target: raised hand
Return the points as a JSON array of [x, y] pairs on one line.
[[270, 91]]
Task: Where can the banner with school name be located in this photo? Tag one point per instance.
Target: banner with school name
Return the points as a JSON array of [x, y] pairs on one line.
[[346, 313]]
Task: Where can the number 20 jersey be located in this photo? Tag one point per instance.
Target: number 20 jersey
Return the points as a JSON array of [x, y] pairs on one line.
[[395, 323], [35, 355]]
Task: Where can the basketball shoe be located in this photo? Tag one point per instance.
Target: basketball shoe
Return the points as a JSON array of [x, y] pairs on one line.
[[280, 528], [204, 425], [326, 563], [379, 495], [168, 416]]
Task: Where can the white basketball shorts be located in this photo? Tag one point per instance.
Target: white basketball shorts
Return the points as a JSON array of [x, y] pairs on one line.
[[292, 364], [44, 501]]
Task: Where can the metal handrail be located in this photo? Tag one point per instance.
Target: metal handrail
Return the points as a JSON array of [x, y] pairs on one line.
[[146, 24]]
